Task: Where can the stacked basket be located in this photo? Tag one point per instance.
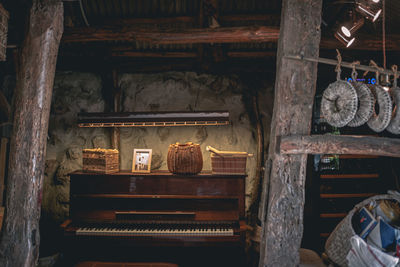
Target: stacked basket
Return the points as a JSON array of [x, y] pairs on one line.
[[353, 104]]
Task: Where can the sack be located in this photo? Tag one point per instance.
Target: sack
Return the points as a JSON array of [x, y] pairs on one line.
[[184, 158]]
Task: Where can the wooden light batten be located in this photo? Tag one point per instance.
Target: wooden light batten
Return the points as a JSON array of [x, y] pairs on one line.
[[153, 119]]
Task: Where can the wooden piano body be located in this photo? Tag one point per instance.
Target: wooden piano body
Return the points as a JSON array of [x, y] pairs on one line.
[[157, 216]]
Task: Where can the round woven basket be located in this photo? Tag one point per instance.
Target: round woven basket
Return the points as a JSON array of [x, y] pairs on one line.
[[338, 244]]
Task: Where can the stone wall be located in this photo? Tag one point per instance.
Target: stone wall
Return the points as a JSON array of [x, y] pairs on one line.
[[170, 91]]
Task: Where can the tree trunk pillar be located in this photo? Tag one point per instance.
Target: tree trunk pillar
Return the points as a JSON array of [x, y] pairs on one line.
[[294, 95], [37, 64]]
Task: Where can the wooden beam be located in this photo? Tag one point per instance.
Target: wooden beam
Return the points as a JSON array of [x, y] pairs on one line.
[[3, 166], [283, 191], [20, 238], [218, 35], [251, 54], [173, 36], [153, 54], [270, 18], [365, 42], [151, 21], [340, 144], [194, 20], [115, 135], [5, 107]]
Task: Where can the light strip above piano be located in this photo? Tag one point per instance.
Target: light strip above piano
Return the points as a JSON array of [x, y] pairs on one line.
[[153, 119]]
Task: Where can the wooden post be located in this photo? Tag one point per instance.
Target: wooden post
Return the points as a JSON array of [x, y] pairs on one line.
[[20, 237], [294, 94], [115, 135], [3, 159]]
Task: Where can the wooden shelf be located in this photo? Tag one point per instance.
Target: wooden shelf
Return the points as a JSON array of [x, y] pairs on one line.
[[357, 195], [350, 176]]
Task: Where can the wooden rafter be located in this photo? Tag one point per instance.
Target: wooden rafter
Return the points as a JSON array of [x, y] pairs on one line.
[[132, 31], [340, 144], [265, 18], [173, 36]]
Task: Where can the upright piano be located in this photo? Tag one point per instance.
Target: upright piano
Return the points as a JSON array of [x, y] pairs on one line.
[[157, 215]]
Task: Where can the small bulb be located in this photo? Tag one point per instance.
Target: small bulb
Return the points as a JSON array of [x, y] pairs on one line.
[[345, 31], [376, 1], [351, 42], [377, 15], [386, 88]]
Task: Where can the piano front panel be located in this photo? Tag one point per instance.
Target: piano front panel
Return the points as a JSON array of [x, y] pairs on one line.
[[161, 184], [156, 184], [104, 209]]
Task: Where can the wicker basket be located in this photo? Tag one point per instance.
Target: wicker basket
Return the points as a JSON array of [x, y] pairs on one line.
[[3, 32], [100, 160], [338, 244], [228, 162]]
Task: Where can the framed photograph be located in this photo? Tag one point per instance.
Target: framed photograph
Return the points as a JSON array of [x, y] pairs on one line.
[[141, 160]]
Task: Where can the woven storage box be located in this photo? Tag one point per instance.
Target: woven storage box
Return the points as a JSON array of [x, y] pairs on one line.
[[100, 160], [228, 162], [338, 244]]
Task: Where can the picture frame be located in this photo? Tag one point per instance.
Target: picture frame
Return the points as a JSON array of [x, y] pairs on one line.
[[141, 161]]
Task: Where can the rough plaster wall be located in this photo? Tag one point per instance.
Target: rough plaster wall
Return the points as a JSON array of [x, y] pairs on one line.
[[72, 93], [171, 91]]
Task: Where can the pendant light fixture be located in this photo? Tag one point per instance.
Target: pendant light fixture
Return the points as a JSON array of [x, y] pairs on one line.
[[345, 40], [346, 30], [371, 9]]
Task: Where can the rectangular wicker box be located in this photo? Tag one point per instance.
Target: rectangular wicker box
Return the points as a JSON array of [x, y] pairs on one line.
[[228, 163], [100, 160]]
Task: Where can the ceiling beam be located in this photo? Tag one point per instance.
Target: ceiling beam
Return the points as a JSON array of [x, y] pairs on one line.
[[174, 36], [217, 35], [151, 54], [266, 18]]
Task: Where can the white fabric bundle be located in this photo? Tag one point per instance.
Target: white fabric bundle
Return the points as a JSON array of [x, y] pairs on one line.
[[362, 254]]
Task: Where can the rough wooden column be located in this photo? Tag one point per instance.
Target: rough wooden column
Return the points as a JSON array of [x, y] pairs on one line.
[[294, 93], [20, 237], [115, 135]]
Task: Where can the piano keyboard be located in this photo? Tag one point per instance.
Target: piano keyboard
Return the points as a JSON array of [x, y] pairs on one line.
[[160, 231]]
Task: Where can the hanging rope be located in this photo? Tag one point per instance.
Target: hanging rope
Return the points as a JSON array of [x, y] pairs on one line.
[[384, 33], [378, 70], [354, 73], [338, 69], [395, 76]]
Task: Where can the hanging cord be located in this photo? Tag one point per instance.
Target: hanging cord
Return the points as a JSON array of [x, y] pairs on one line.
[[337, 69], [395, 76], [384, 33], [377, 72], [354, 73]]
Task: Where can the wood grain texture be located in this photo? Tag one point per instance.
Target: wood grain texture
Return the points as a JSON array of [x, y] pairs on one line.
[[3, 160], [174, 36], [340, 144], [294, 94], [20, 237]]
